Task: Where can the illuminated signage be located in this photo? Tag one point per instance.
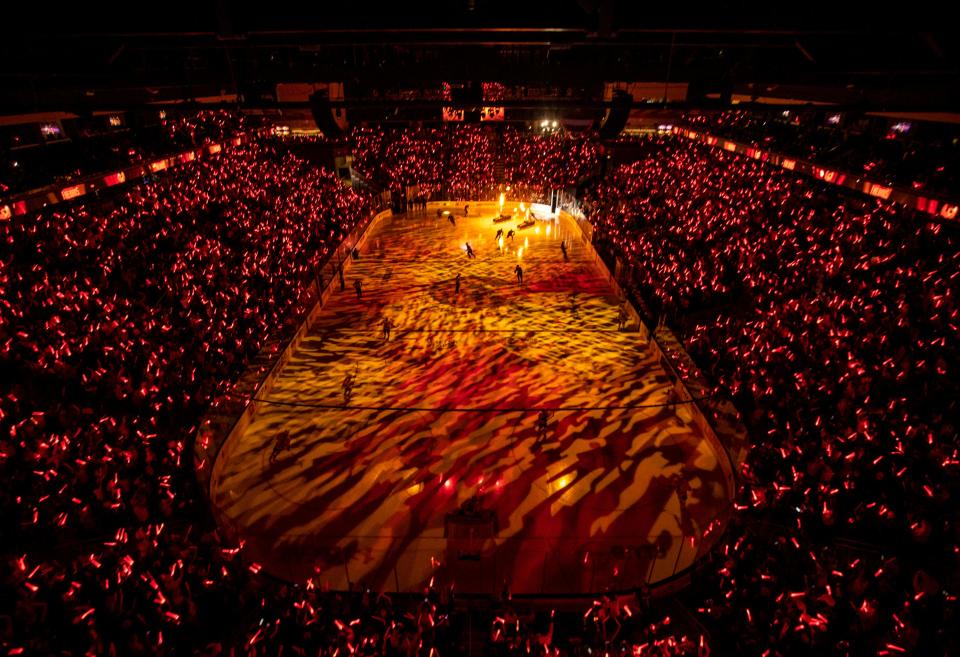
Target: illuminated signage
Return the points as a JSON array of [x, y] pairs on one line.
[[159, 165], [948, 212], [873, 189], [5, 212], [115, 178], [68, 193], [213, 149], [491, 114], [51, 131], [729, 145], [826, 174]]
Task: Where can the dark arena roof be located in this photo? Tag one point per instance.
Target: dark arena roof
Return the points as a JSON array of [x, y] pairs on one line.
[[568, 328], [869, 57]]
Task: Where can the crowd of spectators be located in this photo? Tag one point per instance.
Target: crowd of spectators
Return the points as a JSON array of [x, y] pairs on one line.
[[922, 156], [397, 159], [538, 162], [464, 162], [470, 165], [833, 321]]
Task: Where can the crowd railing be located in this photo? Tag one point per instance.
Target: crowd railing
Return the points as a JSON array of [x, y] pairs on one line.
[[941, 208], [36, 200]]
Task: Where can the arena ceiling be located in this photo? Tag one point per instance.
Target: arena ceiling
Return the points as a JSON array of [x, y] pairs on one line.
[[118, 57]]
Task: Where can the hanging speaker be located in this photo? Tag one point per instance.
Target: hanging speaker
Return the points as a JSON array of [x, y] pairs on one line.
[[616, 119], [323, 114], [470, 94]]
